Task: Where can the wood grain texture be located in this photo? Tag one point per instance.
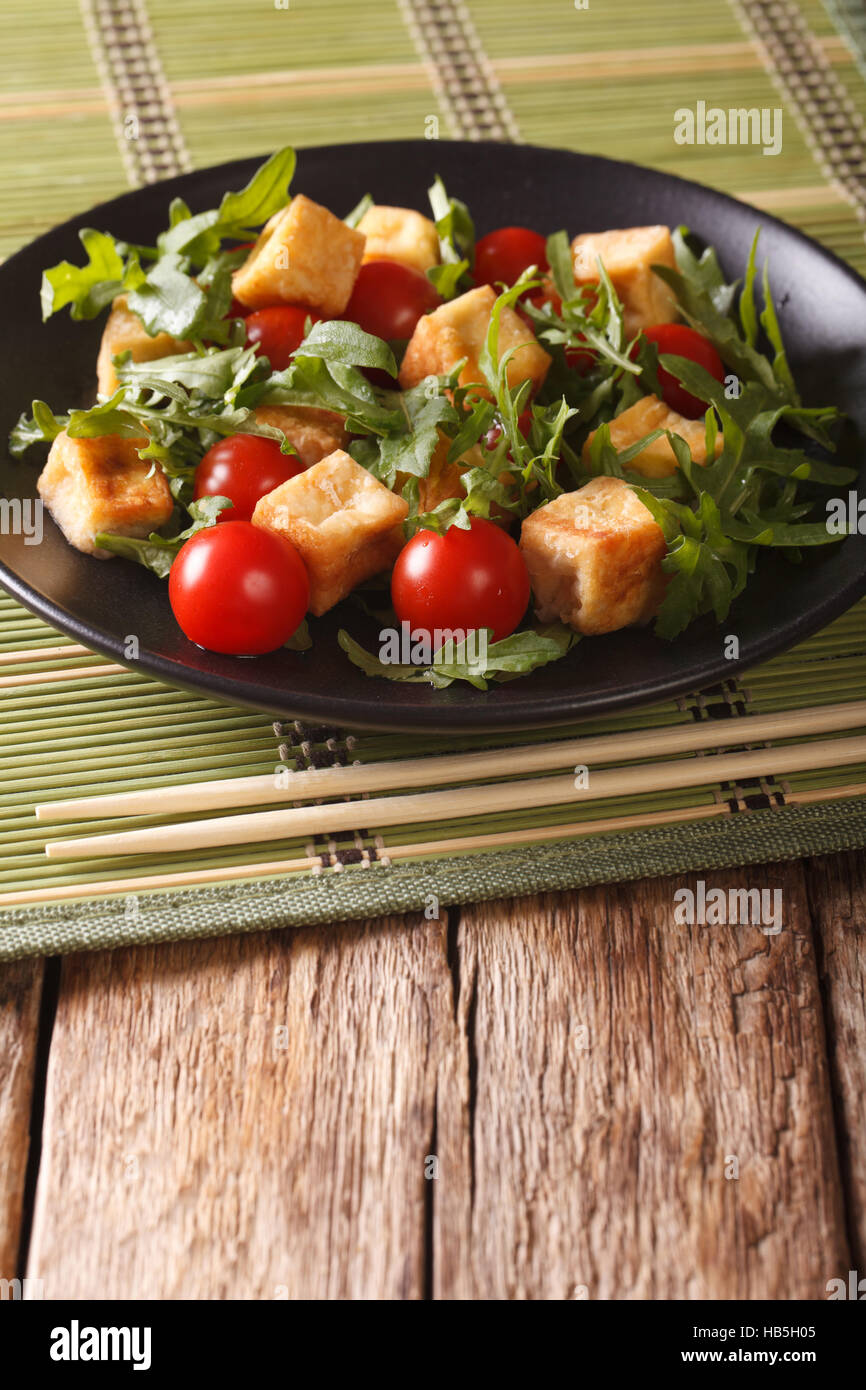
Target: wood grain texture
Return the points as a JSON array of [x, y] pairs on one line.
[[837, 897], [244, 1118], [618, 1106], [20, 994], [616, 1064]]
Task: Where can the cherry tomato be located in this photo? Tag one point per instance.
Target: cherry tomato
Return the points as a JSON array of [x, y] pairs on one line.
[[389, 299], [682, 341], [243, 467], [503, 255], [461, 580], [278, 332], [238, 589]]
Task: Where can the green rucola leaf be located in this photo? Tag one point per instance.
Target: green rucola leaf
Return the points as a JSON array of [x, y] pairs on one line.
[[88, 289]]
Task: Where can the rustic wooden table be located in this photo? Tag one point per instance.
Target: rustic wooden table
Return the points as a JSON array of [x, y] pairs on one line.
[[557, 1097]]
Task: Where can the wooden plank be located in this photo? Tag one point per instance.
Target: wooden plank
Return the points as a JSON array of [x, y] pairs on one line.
[[20, 994], [244, 1118], [837, 896], [618, 1064]]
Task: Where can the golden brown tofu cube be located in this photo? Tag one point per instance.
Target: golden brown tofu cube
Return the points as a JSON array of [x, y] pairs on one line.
[[124, 331], [627, 257], [400, 234], [459, 329], [594, 558], [658, 459], [314, 433], [93, 485], [344, 523], [304, 255]]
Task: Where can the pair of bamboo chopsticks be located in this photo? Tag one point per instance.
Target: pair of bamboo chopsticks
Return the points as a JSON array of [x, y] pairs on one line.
[[463, 801]]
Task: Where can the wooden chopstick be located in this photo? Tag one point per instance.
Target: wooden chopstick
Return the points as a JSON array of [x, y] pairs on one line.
[[457, 767], [501, 839], [455, 803], [504, 839]]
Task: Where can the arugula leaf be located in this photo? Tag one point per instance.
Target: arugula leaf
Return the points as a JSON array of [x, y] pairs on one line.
[[747, 310], [512, 656], [166, 297], [328, 386], [88, 289], [412, 449], [706, 301], [456, 232], [708, 569], [353, 218], [532, 464], [157, 553], [770, 325], [337, 340], [300, 640], [745, 499], [450, 279], [239, 214], [218, 373], [590, 317], [41, 425], [168, 301], [266, 193]]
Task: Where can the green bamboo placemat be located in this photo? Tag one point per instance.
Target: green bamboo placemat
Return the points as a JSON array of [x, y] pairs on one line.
[[120, 92]]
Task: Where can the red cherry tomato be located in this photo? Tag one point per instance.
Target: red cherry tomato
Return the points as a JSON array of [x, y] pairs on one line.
[[503, 255], [461, 580], [278, 332], [238, 589], [389, 299], [243, 467], [682, 341]]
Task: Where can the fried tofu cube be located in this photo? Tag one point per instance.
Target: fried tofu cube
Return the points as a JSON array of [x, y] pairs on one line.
[[344, 523], [124, 331], [314, 433], [594, 558], [459, 329], [93, 485], [628, 257], [400, 234], [304, 255], [658, 459]]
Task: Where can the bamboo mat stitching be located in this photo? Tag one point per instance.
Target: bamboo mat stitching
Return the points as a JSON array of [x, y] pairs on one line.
[[463, 77], [827, 116], [138, 94], [304, 746]]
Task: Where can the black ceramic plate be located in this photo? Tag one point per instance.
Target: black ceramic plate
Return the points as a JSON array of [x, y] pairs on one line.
[[99, 603]]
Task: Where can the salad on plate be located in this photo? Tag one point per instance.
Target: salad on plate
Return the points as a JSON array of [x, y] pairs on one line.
[[494, 446]]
